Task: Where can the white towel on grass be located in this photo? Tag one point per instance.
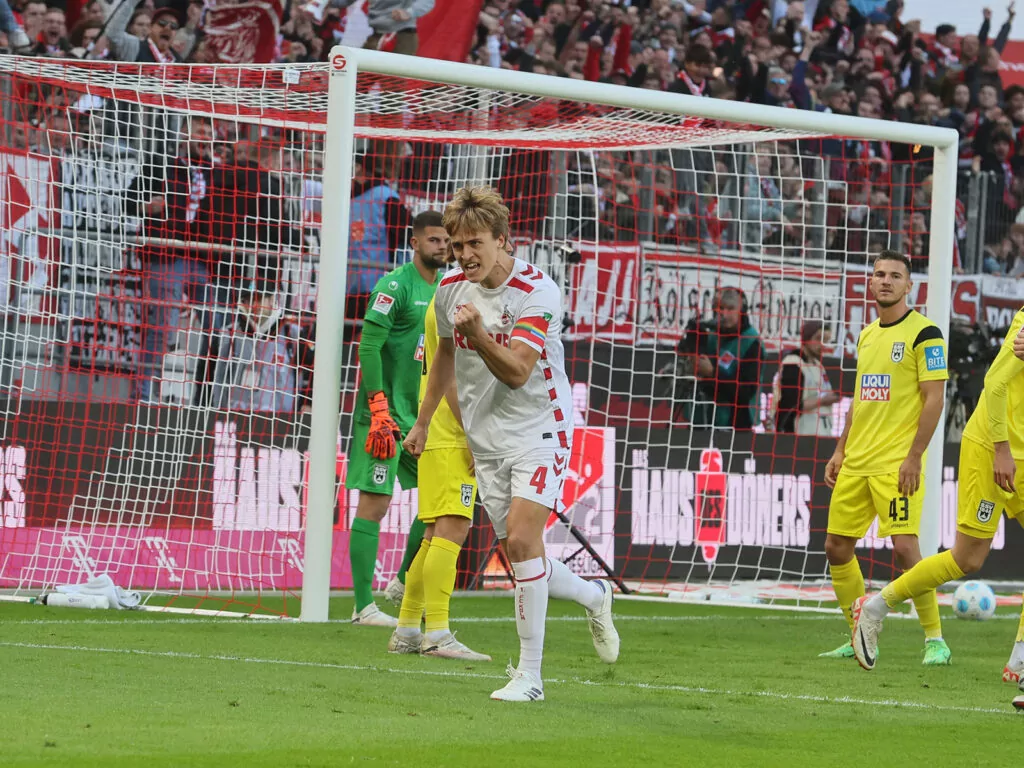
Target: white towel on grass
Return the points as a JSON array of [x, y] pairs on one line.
[[121, 599]]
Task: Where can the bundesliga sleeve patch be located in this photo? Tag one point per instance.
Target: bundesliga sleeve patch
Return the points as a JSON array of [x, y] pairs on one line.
[[383, 304], [533, 330], [935, 358]]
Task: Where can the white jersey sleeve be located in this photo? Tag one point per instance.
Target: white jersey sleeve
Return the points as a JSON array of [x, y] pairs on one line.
[[441, 303]]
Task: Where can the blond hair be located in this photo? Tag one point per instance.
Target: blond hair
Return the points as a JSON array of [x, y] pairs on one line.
[[477, 209]]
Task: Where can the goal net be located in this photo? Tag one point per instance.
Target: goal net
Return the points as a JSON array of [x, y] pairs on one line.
[[163, 237]]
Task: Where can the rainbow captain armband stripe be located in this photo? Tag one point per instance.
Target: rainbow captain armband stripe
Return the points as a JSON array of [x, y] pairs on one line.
[[533, 330]]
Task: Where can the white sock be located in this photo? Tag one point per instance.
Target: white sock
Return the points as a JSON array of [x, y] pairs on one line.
[[531, 608], [1017, 655], [876, 607], [408, 632], [437, 635], [563, 584]]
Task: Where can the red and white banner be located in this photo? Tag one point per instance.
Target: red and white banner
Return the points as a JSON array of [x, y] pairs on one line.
[[675, 288], [28, 253], [245, 32]]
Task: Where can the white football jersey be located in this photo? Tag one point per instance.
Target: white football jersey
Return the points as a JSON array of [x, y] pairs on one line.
[[527, 307]]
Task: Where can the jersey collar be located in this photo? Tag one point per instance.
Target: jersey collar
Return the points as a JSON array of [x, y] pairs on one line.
[[890, 325]]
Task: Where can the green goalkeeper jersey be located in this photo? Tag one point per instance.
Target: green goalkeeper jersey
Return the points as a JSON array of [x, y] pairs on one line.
[[398, 304]]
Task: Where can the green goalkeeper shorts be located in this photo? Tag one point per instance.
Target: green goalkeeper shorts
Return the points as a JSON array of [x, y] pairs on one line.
[[366, 473]]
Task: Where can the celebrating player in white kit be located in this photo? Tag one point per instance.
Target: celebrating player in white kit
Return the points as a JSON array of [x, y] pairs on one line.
[[499, 328]]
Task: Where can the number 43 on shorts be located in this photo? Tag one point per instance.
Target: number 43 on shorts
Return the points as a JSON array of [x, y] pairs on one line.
[[899, 509]]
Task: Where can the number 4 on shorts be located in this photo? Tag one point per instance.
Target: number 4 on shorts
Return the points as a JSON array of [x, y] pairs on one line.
[[539, 480]]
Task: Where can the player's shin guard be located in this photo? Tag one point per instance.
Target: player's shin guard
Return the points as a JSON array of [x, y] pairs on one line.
[[439, 581], [927, 605], [412, 603], [928, 574], [563, 584], [531, 607], [412, 547], [848, 583], [362, 553]]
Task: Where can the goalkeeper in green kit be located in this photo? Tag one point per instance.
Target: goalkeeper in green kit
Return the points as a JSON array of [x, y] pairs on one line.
[[390, 362]]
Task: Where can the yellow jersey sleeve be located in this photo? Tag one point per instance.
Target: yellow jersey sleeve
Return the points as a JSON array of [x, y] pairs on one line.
[[892, 361], [445, 431], [998, 417]]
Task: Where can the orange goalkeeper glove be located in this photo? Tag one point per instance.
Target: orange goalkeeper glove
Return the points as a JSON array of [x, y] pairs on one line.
[[384, 433]]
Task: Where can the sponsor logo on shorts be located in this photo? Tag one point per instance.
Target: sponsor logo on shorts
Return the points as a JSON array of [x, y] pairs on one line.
[[874, 387], [985, 510], [380, 474], [383, 304], [935, 358], [897, 351], [467, 495]]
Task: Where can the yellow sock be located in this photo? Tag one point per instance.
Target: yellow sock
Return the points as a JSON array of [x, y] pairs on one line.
[[411, 612], [927, 605], [848, 583], [1020, 627], [930, 573], [439, 581]]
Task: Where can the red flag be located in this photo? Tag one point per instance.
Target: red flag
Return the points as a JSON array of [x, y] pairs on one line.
[[244, 33], [448, 31]]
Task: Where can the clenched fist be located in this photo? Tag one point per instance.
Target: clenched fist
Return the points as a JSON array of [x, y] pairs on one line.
[[469, 323]]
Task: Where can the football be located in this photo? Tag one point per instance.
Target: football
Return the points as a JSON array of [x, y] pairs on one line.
[[974, 600]]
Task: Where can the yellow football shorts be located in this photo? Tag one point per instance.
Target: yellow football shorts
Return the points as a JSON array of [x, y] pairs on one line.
[[857, 501], [980, 501], [446, 484]]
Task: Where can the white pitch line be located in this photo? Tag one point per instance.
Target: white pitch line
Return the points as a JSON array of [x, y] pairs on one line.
[[458, 620], [659, 687]]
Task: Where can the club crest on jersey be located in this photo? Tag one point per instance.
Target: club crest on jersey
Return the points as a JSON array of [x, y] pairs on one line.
[[897, 351], [985, 510], [380, 474], [874, 387], [506, 317], [467, 495]]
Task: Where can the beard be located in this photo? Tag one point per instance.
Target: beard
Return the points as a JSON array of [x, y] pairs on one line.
[[886, 303]]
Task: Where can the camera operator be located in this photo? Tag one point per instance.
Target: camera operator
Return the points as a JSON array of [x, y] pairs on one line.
[[724, 357]]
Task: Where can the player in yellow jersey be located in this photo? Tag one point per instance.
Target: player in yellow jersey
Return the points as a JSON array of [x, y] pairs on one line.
[[447, 492], [991, 484], [876, 469]]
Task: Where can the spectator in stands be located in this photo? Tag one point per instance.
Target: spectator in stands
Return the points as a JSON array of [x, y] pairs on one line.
[[176, 207], [393, 23], [257, 357], [156, 48], [731, 369], [379, 223], [52, 41], [803, 396]]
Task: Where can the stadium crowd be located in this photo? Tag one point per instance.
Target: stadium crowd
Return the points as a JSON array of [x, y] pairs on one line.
[[852, 57]]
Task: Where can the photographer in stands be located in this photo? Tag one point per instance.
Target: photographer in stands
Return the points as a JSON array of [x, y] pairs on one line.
[[731, 367]]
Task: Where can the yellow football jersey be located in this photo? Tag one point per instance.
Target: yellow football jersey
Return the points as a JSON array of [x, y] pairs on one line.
[[891, 361], [445, 431], [1000, 412]]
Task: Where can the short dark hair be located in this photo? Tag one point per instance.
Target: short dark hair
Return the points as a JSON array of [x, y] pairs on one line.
[[698, 54], [894, 256], [427, 219]]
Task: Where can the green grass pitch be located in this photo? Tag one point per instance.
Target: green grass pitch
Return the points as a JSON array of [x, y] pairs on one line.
[[694, 686]]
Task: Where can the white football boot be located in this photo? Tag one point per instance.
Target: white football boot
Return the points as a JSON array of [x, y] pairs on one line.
[[372, 616], [1013, 672], [865, 634], [522, 686], [606, 638], [394, 591], [448, 647], [400, 643], [1018, 702]]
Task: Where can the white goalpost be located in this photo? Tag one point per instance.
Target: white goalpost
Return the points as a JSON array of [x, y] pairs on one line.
[[170, 418]]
